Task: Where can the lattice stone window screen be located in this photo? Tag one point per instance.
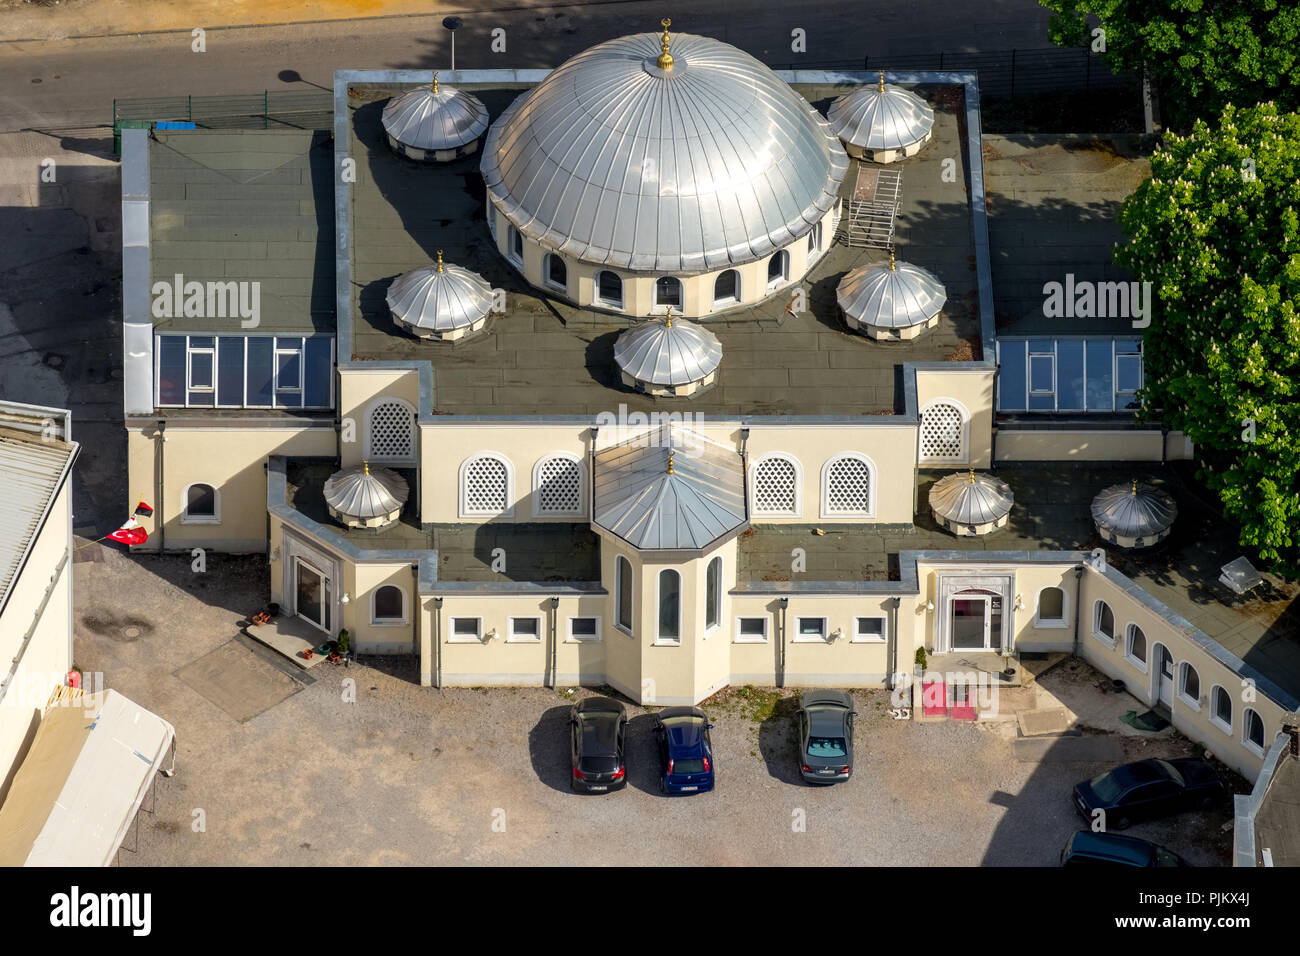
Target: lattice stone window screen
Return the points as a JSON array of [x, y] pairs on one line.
[[392, 432], [775, 482], [848, 487], [486, 484], [942, 426], [559, 487]]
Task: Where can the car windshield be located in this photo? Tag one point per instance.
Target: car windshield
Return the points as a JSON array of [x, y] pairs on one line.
[[826, 747], [1107, 787], [1174, 775], [687, 766]]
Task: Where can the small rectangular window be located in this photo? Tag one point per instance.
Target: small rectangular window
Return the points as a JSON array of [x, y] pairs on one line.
[[868, 630], [584, 629], [751, 630], [466, 628], [525, 630], [809, 629]]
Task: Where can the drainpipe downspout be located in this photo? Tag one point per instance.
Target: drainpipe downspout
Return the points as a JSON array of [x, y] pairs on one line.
[[161, 524], [552, 651], [780, 654], [437, 642], [893, 643], [1078, 588]]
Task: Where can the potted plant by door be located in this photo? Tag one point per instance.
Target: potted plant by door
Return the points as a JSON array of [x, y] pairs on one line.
[[1007, 654], [345, 642]]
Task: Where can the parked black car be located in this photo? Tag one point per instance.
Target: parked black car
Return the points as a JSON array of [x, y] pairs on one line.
[[825, 722], [685, 750], [1087, 848], [1148, 789], [597, 732]]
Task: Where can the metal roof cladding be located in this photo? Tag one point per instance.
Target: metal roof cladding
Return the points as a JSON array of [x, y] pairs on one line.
[[971, 499], [881, 117], [434, 117], [672, 490], [1134, 510], [709, 162], [668, 351], [31, 473], [896, 295], [358, 492], [439, 297]]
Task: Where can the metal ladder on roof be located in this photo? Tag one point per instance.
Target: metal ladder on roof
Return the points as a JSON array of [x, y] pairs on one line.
[[873, 208]]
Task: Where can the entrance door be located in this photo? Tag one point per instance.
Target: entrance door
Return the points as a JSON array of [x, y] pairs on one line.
[[1164, 675], [970, 623], [312, 595]]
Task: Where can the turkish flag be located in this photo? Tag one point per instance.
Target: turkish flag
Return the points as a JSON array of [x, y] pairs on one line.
[[130, 533]]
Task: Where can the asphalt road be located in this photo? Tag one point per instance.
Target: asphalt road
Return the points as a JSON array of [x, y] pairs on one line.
[[72, 83]]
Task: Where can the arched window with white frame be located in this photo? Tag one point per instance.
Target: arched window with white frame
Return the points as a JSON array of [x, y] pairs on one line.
[[558, 486], [849, 487], [387, 605], [776, 486], [1103, 623], [1189, 685], [1252, 731], [945, 433], [1221, 709], [669, 630], [487, 486], [200, 504], [390, 431], [1135, 647], [1050, 607]]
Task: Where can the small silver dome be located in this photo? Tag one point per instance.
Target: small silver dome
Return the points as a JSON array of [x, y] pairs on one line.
[[440, 301], [432, 119], [968, 504], [361, 498], [668, 356], [882, 122], [890, 300], [1134, 515]]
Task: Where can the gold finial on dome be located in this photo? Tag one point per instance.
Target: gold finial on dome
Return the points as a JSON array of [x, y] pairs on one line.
[[971, 479], [439, 260], [665, 61], [435, 84], [670, 463], [365, 468], [892, 266], [668, 318], [882, 81], [1134, 489]]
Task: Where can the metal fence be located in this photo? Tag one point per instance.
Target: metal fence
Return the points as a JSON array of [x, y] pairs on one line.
[[279, 109]]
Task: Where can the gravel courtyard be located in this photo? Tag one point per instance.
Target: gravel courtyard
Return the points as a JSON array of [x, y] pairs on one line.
[[277, 770]]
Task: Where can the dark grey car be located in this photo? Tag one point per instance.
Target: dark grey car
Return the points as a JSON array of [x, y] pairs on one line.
[[825, 723]]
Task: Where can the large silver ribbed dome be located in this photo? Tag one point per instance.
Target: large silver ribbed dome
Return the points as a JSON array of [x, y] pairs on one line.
[[894, 300], [668, 356], [709, 162], [969, 504], [883, 123], [1134, 515], [434, 122], [440, 301], [362, 498]]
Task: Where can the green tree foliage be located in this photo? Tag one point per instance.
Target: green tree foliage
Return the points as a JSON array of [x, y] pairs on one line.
[[1217, 232], [1201, 54]]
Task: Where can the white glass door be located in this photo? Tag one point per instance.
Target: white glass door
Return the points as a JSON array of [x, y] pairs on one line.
[[312, 595]]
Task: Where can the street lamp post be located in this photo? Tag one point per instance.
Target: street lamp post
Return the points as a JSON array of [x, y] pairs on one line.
[[452, 24]]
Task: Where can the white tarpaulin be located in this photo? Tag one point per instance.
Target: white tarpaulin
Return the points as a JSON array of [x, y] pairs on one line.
[[91, 762]]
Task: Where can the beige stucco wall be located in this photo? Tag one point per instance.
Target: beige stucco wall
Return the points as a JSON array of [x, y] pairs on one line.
[[360, 388], [1192, 720], [972, 391], [638, 288], [232, 460], [1081, 445], [46, 659]]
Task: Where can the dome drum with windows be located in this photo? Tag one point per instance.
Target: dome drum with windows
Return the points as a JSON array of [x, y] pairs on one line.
[[1134, 515], [882, 123], [433, 124], [361, 498], [641, 171], [441, 302], [969, 504], [890, 300], [668, 357]]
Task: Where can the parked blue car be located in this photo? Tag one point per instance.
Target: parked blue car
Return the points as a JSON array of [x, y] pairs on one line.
[[685, 751]]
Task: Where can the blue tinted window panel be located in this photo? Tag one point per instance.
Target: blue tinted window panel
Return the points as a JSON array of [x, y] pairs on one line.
[[171, 370], [201, 369], [1040, 374], [1100, 391], [318, 358], [288, 371], [261, 371], [230, 371], [1042, 402], [1011, 376], [1069, 376]]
